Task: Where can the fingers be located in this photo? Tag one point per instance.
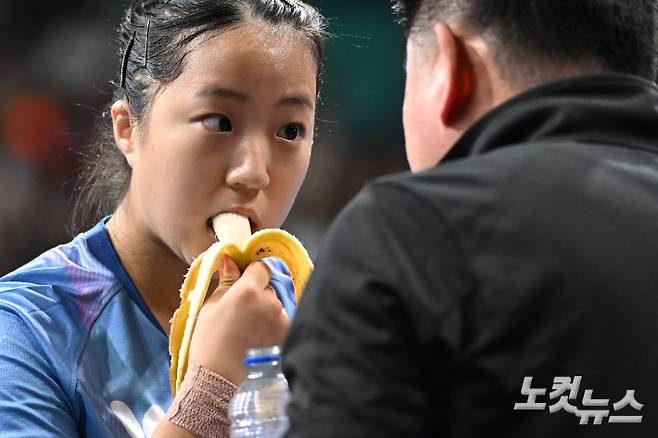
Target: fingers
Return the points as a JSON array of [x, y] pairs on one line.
[[228, 274], [257, 274], [284, 321]]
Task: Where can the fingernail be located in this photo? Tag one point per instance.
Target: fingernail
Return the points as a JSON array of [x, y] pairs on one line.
[[223, 265]]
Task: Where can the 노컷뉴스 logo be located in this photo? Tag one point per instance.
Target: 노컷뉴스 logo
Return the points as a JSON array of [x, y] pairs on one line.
[[592, 408]]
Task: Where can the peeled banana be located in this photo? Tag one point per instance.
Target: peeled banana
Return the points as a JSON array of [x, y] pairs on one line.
[[236, 240]]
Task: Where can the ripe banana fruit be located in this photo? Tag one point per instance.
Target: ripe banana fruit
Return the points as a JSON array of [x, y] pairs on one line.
[[236, 240]]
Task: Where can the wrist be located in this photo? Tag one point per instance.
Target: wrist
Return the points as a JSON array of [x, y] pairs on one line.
[[201, 404]]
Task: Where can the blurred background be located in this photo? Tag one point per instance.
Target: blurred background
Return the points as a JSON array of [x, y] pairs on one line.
[[55, 72]]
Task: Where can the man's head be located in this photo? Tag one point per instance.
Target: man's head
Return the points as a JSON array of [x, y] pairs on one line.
[[466, 56]]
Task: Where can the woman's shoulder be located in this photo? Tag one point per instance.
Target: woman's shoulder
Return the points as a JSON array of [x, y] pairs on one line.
[[277, 266], [68, 275], [72, 262], [282, 284]]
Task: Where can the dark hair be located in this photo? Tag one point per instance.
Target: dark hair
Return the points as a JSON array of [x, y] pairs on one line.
[[535, 38], [154, 39]]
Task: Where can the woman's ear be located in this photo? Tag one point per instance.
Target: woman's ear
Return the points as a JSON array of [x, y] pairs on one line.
[[125, 133], [458, 74]]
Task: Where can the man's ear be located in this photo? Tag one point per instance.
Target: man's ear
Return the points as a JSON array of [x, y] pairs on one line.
[[459, 78], [125, 133]]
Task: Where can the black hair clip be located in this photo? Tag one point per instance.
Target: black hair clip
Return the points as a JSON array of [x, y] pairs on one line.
[[124, 62], [146, 44], [126, 55]]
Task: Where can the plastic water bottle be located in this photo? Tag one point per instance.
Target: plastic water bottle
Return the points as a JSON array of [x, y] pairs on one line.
[[257, 410]]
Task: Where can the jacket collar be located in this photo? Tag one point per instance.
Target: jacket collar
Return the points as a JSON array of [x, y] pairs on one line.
[[614, 109]]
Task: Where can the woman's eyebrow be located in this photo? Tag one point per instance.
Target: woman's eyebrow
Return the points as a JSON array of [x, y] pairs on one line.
[[295, 100], [224, 92]]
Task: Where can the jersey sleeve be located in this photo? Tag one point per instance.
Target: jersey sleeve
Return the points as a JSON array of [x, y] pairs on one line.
[[32, 400], [357, 354], [282, 284]]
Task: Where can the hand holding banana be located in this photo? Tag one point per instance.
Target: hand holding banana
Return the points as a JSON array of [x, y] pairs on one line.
[[235, 240]]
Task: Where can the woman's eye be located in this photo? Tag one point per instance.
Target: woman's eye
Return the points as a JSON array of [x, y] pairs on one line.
[[218, 123], [290, 132]]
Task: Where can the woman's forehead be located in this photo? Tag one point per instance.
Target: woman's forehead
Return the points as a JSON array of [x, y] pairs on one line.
[[254, 37], [238, 67], [244, 55]]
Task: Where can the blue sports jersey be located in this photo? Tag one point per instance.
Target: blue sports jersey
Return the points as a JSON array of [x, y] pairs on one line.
[[80, 352]]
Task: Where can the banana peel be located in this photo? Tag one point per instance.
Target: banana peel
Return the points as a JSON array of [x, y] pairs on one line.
[[236, 240]]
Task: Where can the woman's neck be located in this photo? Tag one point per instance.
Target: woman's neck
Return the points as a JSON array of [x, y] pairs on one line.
[[156, 273]]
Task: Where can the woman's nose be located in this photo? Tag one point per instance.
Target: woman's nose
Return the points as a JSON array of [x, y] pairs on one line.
[[249, 171]]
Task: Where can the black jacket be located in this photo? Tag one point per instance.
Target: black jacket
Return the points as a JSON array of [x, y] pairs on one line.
[[531, 251]]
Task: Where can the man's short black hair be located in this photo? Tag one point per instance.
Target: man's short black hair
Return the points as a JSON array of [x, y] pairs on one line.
[[532, 38]]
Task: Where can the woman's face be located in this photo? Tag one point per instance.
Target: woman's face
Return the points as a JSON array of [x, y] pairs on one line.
[[232, 133]]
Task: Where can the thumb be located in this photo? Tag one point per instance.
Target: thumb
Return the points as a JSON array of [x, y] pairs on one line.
[[228, 274]]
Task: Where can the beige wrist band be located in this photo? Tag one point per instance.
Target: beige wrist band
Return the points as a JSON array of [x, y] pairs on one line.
[[201, 404]]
